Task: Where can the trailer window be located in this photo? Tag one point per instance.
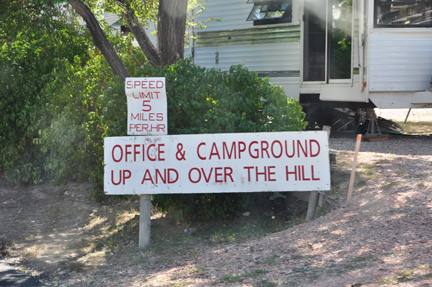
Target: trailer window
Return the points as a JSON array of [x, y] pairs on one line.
[[403, 13], [270, 12]]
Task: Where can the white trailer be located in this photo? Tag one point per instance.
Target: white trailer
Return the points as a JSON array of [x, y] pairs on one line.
[[356, 54]]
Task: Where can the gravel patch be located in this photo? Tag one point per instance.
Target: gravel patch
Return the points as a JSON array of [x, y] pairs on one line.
[[384, 238]]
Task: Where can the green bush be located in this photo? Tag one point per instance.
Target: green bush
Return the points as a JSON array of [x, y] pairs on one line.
[[207, 101], [30, 58], [199, 101], [58, 102]]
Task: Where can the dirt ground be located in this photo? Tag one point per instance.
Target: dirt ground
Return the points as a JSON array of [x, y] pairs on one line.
[[62, 237]]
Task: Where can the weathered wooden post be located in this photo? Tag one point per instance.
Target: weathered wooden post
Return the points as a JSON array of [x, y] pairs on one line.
[[144, 221], [353, 170], [312, 205]]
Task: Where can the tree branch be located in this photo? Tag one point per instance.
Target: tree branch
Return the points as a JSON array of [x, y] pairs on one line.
[[99, 39], [141, 36]]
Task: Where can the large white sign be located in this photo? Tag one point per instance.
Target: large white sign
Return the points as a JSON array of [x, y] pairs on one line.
[[215, 163], [147, 106]]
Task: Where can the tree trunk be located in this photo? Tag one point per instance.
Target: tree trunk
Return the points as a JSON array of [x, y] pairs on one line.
[[100, 39], [171, 30], [143, 40]]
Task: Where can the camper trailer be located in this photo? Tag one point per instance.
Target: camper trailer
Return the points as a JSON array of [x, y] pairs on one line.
[[339, 58]]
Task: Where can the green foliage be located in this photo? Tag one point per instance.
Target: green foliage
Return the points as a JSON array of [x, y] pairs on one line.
[[88, 104], [53, 90], [207, 101], [59, 99], [35, 41]]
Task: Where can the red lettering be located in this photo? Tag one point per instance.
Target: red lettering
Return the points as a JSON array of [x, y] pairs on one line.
[[121, 153], [273, 149], [288, 173], [264, 148], [160, 152], [165, 176], [310, 148], [162, 177], [218, 174], [207, 178], [123, 175], [170, 178], [148, 153], [303, 172], [256, 154], [146, 106], [144, 84], [127, 151], [293, 149], [198, 151], [229, 153], [136, 151], [190, 176], [304, 149], [228, 173], [242, 148], [214, 152], [257, 173], [112, 178], [249, 171], [271, 172], [313, 174], [147, 176]]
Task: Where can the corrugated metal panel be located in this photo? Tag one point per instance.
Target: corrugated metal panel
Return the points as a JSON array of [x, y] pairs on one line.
[[400, 61], [235, 41], [233, 14], [267, 35], [263, 57]]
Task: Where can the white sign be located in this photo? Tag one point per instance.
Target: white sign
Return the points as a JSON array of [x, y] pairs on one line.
[[147, 106], [216, 163]]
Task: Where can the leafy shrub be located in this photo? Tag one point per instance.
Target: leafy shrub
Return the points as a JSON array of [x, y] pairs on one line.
[[199, 101], [29, 60], [207, 101], [58, 101]]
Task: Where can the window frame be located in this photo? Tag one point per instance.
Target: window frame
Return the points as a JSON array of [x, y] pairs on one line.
[[285, 18], [409, 25]]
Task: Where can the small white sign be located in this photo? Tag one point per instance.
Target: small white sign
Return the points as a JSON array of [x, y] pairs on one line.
[[217, 163], [147, 106]]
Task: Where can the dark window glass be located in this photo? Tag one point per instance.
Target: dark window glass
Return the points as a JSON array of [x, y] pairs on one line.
[[398, 13], [271, 12]]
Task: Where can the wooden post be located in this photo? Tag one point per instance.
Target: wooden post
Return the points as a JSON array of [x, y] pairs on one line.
[[144, 221], [312, 205], [353, 171]]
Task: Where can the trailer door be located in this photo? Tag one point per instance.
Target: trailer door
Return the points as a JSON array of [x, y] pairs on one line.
[[327, 53]]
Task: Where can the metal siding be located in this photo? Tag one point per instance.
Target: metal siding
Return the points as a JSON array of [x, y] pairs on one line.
[[251, 36], [263, 57], [400, 60], [233, 14]]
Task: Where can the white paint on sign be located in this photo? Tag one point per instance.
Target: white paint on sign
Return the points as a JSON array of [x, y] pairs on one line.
[[147, 106], [215, 163]]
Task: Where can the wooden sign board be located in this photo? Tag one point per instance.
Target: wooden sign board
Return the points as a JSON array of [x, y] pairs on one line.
[[216, 163], [147, 106]]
